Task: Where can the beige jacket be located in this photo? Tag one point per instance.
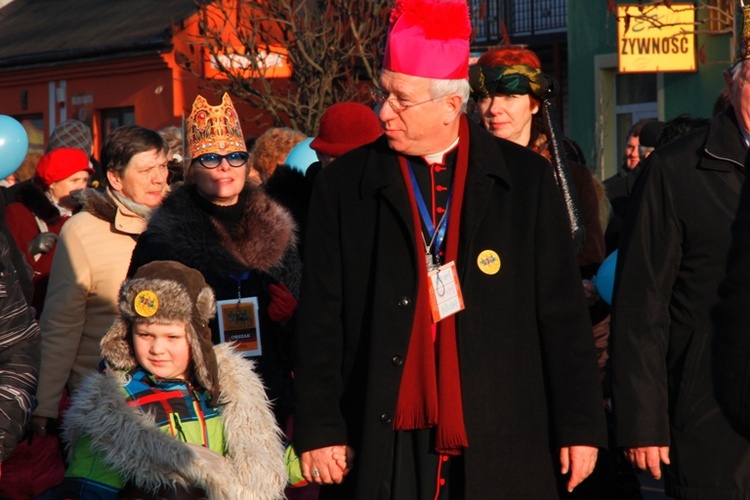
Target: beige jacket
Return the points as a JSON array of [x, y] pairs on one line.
[[91, 260]]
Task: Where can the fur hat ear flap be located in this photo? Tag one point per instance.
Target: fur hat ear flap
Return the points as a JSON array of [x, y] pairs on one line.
[[205, 303], [204, 359], [116, 348]]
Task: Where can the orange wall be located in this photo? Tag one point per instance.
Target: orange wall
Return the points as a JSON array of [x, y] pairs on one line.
[[159, 90], [146, 83]]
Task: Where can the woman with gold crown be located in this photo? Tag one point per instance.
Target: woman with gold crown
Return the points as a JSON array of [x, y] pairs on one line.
[[238, 238]]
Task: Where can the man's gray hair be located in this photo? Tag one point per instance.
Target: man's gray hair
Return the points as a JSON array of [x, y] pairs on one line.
[[444, 88], [734, 71]]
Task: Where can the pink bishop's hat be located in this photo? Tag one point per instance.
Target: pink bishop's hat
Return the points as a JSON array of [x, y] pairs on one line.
[[429, 38]]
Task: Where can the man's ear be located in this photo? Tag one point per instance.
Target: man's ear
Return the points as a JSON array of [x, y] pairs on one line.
[[453, 107], [115, 182]]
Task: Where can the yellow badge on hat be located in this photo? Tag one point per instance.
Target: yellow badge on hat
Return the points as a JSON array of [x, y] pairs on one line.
[[146, 304], [488, 262]]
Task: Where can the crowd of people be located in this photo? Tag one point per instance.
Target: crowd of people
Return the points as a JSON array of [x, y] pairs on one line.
[[414, 316]]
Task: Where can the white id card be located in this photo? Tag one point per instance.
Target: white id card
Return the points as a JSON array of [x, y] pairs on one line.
[[445, 292], [239, 324]]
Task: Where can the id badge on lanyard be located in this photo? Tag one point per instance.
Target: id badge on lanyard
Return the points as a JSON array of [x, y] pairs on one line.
[[445, 294], [239, 322]]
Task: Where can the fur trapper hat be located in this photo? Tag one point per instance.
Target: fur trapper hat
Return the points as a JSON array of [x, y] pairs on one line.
[[165, 292]]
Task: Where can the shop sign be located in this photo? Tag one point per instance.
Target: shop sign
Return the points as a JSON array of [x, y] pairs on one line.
[[655, 38]]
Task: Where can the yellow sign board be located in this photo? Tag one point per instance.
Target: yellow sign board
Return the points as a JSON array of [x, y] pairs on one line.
[[653, 38]]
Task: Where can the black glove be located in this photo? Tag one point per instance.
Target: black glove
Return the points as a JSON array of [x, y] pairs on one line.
[[42, 243]]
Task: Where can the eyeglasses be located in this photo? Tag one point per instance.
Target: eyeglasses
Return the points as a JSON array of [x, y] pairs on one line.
[[380, 97], [213, 160]]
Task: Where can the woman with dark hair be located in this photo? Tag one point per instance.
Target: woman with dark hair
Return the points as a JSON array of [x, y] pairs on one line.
[[238, 238], [508, 86]]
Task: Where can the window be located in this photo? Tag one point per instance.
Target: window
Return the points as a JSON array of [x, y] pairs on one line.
[[635, 99], [521, 17], [116, 117]]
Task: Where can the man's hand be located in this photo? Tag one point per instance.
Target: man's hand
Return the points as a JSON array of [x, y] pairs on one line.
[[649, 458], [331, 463], [580, 461]]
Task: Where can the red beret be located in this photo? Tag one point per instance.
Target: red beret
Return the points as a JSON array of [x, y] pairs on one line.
[[60, 164], [346, 126]]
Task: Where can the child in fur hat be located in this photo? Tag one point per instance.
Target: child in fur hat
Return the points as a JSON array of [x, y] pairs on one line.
[[171, 416]]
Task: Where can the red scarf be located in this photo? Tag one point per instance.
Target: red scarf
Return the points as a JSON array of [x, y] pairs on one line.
[[431, 372]]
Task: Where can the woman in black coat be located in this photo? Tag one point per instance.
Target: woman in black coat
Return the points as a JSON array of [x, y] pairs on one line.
[[239, 239]]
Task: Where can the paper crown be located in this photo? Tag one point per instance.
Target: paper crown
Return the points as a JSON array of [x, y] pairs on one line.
[[214, 128], [429, 38], [741, 31]]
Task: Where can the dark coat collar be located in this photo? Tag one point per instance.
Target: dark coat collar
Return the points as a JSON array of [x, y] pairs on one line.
[[33, 197], [724, 144], [486, 160]]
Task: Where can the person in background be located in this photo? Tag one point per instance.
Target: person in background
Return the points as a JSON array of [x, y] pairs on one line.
[[620, 188], [240, 240], [343, 127], [91, 261], [19, 356], [209, 432], [672, 258], [514, 113], [512, 405], [76, 134], [271, 149], [41, 209], [176, 155], [24, 172]]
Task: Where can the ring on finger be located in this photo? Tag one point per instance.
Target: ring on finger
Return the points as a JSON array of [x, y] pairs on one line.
[[315, 473]]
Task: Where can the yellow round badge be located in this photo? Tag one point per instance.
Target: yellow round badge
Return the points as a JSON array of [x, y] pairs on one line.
[[146, 304], [488, 262]]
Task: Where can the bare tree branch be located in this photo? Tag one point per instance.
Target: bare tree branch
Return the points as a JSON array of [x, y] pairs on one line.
[[333, 48]]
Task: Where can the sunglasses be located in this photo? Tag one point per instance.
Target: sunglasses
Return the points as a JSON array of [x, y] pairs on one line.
[[213, 160]]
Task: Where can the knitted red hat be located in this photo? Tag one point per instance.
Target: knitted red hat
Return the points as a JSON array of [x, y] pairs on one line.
[[346, 126], [61, 163], [429, 38]]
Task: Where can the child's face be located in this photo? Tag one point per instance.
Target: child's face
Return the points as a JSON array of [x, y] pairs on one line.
[[162, 349]]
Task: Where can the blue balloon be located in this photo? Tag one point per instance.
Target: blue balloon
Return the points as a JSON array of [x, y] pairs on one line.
[[605, 277], [301, 156], [14, 143]]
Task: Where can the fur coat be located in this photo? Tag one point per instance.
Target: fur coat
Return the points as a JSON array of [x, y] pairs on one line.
[[262, 239], [130, 443]]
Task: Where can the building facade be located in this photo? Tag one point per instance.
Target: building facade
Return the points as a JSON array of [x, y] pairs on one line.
[[604, 102]]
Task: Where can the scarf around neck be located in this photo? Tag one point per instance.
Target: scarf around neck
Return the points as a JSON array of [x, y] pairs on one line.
[[430, 391]]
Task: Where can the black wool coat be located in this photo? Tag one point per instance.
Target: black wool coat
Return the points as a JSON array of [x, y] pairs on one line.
[[671, 260], [528, 370]]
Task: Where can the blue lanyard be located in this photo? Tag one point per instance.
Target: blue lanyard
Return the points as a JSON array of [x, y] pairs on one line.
[[239, 279], [436, 237]]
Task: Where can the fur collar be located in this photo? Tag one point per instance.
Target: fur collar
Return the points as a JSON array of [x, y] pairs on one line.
[[99, 204], [129, 442], [259, 240], [33, 197]]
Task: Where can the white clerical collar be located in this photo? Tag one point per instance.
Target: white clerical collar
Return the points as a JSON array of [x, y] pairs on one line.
[[439, 157]]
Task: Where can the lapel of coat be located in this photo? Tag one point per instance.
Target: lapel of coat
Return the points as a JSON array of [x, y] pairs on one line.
[[381, 179], [487, 168]]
